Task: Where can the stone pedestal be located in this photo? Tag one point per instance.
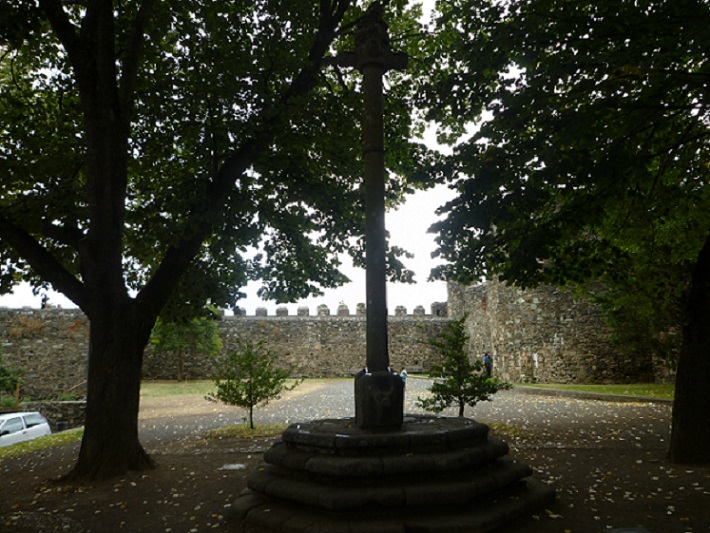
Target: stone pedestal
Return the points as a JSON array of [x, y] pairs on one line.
[[434, 475], [379, 400]]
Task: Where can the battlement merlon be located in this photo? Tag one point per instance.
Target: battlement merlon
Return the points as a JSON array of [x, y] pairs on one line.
[[438, 309]]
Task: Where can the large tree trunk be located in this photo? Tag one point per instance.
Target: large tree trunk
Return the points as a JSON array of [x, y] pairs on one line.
[[110, 444], [690, 437]]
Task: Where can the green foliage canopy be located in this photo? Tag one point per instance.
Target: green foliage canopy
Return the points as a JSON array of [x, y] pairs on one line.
[[590, 163], [146, 148], [591, 155], [204, 88], [594, 150], [187, 338]]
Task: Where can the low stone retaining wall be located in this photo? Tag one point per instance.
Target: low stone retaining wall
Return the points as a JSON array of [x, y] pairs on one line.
[[61, 415]]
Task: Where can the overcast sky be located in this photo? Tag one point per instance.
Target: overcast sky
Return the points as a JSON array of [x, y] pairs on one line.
[[408, 229]]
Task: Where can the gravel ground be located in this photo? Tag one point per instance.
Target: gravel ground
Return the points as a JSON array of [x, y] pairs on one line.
[[644, 424]]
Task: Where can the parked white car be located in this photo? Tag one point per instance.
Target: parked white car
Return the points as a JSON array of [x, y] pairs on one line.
[[19, 427]]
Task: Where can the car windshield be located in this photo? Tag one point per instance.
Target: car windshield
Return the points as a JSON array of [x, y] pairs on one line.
[[33, 419]]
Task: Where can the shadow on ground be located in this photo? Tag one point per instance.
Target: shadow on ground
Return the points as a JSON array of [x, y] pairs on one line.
[[606, 461]]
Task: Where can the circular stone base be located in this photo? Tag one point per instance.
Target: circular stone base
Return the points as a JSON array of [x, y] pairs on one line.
[[418, 433], [434, 474]]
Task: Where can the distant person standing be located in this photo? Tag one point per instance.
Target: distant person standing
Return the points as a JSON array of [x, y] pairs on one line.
[[488, 363], [403, 374]]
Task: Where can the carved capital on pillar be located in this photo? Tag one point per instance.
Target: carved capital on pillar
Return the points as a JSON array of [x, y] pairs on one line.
[[372, 44]]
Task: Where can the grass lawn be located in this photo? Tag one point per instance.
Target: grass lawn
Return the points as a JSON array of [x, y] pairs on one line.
[[41, 443], [156, 389], [648, 390]]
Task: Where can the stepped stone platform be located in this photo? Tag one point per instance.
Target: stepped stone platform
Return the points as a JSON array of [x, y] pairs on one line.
[[434, 475]]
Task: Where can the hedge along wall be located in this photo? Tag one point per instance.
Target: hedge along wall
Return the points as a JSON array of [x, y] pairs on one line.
[[543, 335], [51, 345]]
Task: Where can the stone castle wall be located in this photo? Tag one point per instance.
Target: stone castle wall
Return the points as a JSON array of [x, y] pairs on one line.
[[543, 335], [51, 345]]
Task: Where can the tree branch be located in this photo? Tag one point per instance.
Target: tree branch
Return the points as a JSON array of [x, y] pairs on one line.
[[42, 262], [63, 27], [178, 258], [131, 60]]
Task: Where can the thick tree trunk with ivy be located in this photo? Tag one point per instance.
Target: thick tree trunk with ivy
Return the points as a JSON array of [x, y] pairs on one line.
[[690, 437]]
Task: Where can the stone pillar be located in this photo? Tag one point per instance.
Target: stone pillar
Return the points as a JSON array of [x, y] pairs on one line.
[[378, 392]]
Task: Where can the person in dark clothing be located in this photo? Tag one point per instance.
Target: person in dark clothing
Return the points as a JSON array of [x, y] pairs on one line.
[[488, 363]]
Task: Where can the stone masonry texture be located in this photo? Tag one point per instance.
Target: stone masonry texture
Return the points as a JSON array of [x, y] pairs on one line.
[[50, 346], [544, 335], [538, 335]]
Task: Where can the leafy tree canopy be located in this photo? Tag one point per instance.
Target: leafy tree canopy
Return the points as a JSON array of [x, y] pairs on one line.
[[147, 147], [211, 77], [594, 152]]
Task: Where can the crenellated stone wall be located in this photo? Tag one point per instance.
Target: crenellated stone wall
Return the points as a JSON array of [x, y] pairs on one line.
[[323, 345], [543, 335], [51, 345]]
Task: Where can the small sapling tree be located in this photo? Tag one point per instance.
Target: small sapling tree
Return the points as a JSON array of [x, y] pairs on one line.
[[249, 376], [464, 382]]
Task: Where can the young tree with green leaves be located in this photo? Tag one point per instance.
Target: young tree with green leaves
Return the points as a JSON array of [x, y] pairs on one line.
[[146, 146], [186, 338], [249, 376], [590, 162], [458, 380]]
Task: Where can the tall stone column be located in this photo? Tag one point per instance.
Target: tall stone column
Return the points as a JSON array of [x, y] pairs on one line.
[[379, 394]]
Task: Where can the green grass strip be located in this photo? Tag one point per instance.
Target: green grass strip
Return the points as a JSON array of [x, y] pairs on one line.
[[647, 390], [41, 443], [159, 389]]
